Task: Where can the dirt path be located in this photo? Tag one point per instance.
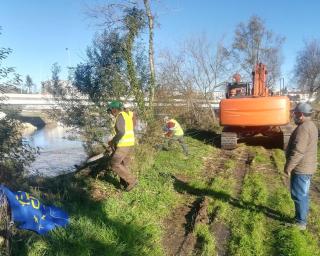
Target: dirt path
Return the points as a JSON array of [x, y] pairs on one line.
[[178, 239], [175, 240], [220, 229]]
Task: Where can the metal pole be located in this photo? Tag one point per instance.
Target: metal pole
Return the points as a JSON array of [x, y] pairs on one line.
[[68, 52], [280, 86]]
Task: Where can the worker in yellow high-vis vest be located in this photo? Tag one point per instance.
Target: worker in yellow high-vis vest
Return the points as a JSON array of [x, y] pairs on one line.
[[174, 132], [126, 108], [122, 142]]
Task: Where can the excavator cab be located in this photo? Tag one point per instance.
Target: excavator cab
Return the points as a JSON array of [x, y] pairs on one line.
[[237, 90]]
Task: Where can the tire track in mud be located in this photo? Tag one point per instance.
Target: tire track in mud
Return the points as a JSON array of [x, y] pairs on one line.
[[176, 230], [220, 229], [179, 238], [273, 178]]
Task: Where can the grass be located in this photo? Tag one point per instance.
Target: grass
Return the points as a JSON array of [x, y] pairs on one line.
[[254, 229], [260, 155], [293, 242], [206, 240], [279, 159], [248, 235], [107, 221], [115, 222]]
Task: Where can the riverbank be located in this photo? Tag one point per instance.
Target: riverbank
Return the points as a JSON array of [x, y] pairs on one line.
[[214, 202], [104, 219], [28, 129]]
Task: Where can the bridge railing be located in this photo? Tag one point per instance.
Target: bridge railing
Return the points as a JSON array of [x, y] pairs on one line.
[[47, 101]]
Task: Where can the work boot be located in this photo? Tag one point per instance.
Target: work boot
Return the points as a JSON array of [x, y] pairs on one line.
[[123, 183], [131, 186], [297, 225], [300, 226]]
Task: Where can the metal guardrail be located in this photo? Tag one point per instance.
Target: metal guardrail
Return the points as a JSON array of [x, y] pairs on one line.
[[47, 101]]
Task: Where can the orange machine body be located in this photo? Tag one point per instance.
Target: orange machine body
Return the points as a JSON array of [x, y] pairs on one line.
[[248, 111], [255, 111]]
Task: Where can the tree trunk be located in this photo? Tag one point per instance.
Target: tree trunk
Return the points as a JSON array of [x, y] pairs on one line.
[[214, 118], [151, 53], [132, 74]]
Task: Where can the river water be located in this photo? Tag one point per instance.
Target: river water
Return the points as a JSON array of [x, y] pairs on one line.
[[58, 154]]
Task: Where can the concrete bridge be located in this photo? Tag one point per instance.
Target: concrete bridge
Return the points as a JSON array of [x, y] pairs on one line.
[[29, 101], [38, 102]]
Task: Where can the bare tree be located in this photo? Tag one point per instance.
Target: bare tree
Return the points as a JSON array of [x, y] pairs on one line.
[[254, 43], [174, 84], [208, 66], [307, 67], [195, 73]]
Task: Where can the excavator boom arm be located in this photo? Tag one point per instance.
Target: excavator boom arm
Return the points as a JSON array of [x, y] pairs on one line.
[[259, 81]]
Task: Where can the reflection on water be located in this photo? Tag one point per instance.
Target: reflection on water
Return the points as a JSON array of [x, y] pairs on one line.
[[57, 154]]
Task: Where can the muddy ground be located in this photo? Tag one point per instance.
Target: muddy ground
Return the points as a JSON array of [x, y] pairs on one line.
[[179, 238]]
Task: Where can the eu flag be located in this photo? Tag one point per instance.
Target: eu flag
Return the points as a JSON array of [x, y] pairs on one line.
[[29, 213]]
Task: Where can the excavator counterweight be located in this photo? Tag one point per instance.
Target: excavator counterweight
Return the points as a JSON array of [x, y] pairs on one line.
[[251, 110]]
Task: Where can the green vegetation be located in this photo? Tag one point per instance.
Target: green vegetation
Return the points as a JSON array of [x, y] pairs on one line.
[[257, 216], [14, 154], [248, 235], [293, 242], [253, 206], [205, 240], [105, 221], [251, 200]]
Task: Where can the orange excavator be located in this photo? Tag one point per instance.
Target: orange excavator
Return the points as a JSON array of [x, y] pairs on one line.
[[252, 110]]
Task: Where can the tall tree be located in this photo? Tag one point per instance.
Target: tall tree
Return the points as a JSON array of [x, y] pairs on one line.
[[103, 75], [134, 22], [4, 71], [307, 67], [152, 81], [254, 43], [128, 19], [29, 83]]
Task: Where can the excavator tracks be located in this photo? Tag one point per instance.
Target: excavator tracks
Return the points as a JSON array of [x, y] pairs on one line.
[[228, 140]]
